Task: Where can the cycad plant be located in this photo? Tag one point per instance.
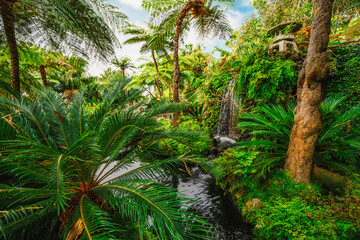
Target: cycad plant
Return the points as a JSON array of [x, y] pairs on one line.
[[337, 147], [67, 170]]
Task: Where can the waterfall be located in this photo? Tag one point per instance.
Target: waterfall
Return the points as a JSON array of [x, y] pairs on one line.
[[226, 132], [226, 110]]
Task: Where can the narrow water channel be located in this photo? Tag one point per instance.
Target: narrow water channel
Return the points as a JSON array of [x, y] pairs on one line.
[[212, 204]]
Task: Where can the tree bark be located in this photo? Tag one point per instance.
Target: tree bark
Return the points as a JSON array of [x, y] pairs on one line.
[[307, 122], [176, 75], [43, 75], [123, 72], [8, 18]]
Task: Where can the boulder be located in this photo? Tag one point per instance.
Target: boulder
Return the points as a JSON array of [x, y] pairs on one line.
[[225, 142]]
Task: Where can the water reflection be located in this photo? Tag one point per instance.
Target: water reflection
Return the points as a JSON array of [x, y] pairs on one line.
[[212, 204]]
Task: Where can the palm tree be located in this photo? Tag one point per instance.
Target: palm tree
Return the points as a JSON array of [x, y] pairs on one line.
[[123, 63], [152, 41], [206, 17], [63, 24], [73, 173]]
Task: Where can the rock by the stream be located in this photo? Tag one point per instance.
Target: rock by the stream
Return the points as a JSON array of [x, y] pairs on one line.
[[224, 142], [251, 205]]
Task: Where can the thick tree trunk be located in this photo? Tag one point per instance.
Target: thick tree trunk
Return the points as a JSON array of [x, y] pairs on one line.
[[176, 76], [43, 75], [123, 72], [307, 122], [8, 18]]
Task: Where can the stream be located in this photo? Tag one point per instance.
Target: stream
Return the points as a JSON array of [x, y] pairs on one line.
[[212, 204]]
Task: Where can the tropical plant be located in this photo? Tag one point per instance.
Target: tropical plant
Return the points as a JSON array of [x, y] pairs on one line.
[[265, 79], [277, 11], [70, 169], [149, 76], [337, 147], [123, 63], [63, 24], [206, 16], [152, 41], [41, 67]]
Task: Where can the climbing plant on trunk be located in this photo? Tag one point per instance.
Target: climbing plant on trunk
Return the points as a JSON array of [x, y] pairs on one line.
[[307, 122]]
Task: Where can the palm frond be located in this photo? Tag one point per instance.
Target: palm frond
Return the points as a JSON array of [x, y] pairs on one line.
[[160, 207]]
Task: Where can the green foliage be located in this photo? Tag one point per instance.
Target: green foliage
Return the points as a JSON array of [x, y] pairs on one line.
[[288, 210], [233, 168], [265, 79], [337, 147], [209, 18], [123, 63], [345, 75], [179, 148], [74, 173], [294, 211], [214, 88]]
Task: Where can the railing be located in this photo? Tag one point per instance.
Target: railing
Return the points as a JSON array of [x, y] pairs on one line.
[[338, 17]]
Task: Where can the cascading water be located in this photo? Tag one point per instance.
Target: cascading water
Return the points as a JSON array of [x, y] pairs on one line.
[[226, 131], [225, 110]]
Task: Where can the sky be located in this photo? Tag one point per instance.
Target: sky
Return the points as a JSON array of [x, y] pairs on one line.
[[132, 8]]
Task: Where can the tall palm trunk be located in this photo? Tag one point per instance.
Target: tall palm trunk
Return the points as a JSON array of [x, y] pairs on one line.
[[316, 69], [8, 18], [176, 76], [123, 72], [43, 75]]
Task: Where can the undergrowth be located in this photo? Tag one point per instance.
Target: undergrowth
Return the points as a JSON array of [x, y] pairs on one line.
[[289, 210]]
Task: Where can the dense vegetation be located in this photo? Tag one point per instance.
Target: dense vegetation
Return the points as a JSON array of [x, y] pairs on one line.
[[84, 157]]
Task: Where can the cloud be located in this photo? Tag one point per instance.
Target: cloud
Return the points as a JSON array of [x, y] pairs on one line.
[[131, 3], [246, 3], [236, 18]]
